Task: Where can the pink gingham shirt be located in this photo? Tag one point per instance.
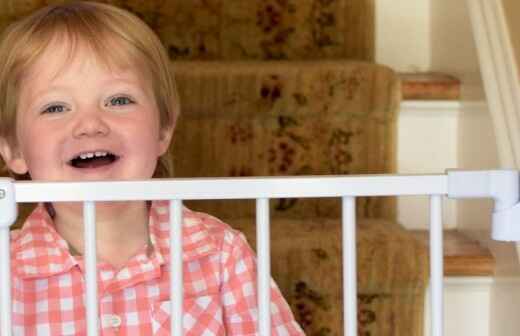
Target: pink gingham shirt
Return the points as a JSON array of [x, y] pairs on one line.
[[219, 283]]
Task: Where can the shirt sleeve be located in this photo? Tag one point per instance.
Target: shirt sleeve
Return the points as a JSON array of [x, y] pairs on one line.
[[239, 295]]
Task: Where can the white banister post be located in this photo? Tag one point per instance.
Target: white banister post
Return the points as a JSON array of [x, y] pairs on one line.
[[499, 75]]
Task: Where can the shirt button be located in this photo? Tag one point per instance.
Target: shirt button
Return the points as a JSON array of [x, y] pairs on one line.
[[116, 321], [111, 321]]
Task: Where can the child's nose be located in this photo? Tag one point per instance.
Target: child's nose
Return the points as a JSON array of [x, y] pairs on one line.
[[90, 125]]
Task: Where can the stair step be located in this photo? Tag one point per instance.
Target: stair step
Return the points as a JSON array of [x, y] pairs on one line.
[[429, 86], [463, 256]]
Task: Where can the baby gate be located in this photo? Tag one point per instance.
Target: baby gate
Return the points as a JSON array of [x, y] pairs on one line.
[[501, 185]]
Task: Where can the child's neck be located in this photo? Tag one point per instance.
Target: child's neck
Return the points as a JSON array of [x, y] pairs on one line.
[[121, 229]]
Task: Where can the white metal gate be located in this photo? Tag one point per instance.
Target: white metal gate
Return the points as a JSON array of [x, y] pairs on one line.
[[501, 185]]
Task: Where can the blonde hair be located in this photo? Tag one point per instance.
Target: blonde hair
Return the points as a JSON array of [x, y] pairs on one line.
[[100, 27]]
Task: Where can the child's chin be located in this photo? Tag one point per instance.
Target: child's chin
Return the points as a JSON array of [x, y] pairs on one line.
[[93, 174]]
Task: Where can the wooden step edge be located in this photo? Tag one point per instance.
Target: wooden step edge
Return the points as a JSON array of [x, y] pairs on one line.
[[462, 256], [429, 86]]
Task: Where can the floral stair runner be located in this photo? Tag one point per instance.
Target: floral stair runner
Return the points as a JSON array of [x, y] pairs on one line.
[[252, 29], [294, 118]]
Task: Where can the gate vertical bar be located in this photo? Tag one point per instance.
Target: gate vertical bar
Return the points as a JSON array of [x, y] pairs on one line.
[[89, 228], [349, 266], [176, 278], [5, 282], [8, 214], [264, 265], [436, 266]]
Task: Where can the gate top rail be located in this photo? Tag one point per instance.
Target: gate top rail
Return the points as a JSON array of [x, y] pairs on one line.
[[232, 188], [500, 185]]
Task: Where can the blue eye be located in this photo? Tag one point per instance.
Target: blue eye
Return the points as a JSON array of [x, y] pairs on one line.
[[55, 108], [120, 101]]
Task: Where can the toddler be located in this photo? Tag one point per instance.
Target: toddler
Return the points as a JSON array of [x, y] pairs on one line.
[[86, 93]]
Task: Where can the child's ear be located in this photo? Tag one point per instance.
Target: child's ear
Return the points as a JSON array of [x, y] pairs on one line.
[[165, 138], [12, 158]]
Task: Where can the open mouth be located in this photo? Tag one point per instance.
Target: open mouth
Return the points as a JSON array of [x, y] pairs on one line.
[[93, 159]]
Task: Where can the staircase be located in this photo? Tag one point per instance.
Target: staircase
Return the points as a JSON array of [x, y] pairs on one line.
[[445, 119], [477, 42]]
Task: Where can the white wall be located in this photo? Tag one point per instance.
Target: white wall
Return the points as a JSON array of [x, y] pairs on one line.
[[436, 35], [425, 35], [453, 51], [512, 8], [402, 34], [466, 302], [434, 137], [427, 144], [452, 46]]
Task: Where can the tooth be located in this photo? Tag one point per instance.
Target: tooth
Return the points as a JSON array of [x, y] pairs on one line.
[[83, 156], [90, 155], [101, 153]]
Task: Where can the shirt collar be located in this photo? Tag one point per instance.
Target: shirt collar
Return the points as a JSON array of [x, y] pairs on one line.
[[197, 241], [39, 251]]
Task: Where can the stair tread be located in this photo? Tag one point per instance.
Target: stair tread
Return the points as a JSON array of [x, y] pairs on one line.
[[463, 256], [429, 86]]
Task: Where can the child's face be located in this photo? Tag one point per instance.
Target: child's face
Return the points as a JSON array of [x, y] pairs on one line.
[[80, 120]]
